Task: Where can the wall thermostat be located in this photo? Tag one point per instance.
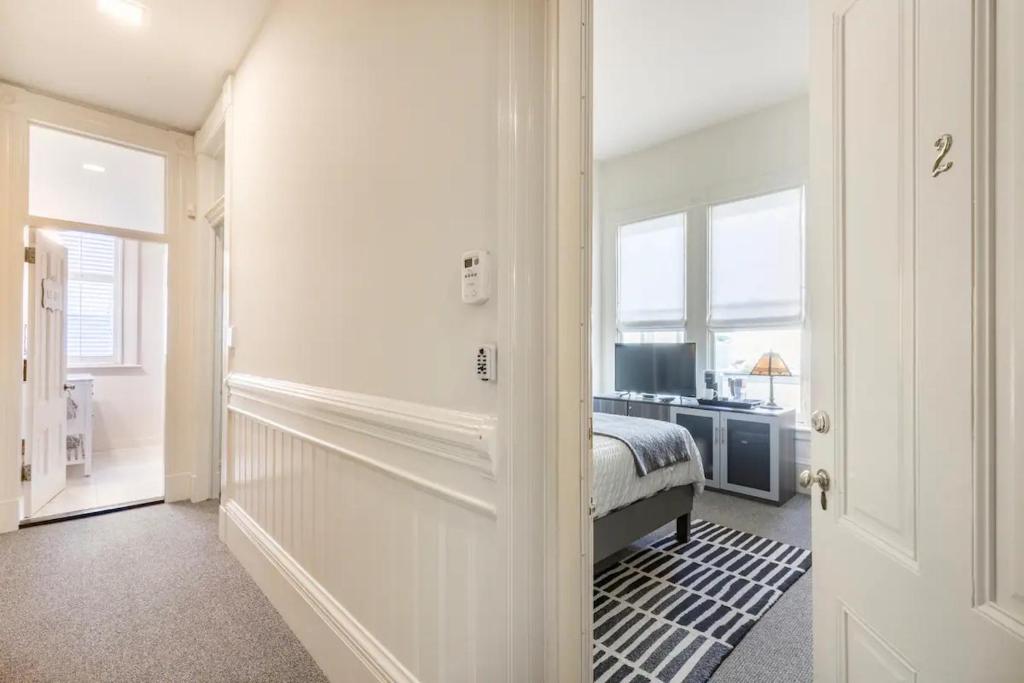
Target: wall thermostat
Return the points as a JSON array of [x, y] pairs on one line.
[[476, 277]]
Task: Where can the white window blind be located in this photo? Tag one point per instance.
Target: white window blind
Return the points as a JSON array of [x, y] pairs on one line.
[[652, 274], [757, 261], [94, 298]]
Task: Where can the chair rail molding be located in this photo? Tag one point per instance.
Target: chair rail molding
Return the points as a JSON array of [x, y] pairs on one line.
[[462, 437], [315, 473]]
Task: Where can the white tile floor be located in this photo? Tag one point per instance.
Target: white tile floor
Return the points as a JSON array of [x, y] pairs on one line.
[[121, 476]]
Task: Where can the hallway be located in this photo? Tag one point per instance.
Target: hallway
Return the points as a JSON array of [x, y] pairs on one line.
[[148, 594]]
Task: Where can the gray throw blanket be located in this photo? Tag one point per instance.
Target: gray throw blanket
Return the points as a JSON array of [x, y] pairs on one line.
[[654, 443]]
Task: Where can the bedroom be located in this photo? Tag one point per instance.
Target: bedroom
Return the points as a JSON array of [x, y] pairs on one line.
[[699, 342]]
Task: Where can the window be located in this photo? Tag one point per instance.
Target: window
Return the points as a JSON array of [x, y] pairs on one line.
[[736, 351], [83, 180], [757, 274], [756, 289], [651, 289], [95, 299]]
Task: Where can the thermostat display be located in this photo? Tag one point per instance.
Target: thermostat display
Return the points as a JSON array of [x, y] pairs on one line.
[[476, 277]]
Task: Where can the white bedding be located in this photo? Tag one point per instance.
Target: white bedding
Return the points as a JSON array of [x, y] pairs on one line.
[[616, 483]]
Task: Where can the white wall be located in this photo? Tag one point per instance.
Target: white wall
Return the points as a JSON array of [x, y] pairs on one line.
[[129, 402], [373, 177], [369, 145], [754, 154]]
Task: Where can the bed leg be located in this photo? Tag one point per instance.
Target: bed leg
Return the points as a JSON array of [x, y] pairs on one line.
[[683, 528]]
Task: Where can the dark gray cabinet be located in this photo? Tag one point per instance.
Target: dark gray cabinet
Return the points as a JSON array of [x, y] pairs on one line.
[[703, 427], [750, 452]]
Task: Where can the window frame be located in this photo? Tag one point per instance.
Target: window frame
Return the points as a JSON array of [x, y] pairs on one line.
[[712, 327], [125, 335], [655, 325]]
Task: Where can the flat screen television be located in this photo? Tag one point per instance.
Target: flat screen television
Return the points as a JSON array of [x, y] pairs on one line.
[[667, 369]]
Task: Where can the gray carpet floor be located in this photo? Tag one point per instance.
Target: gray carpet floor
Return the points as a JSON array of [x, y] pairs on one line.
[[148, 594], [152, 595], [778, 648]]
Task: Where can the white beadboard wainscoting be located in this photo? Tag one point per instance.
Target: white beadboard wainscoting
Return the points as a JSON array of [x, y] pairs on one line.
[[371, 524]]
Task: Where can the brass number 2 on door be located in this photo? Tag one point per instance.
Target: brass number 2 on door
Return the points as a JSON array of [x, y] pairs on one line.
[[942, 146]]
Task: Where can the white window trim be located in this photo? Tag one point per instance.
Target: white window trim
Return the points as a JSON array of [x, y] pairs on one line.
[[126, 309], [681, 331], [650, 325]]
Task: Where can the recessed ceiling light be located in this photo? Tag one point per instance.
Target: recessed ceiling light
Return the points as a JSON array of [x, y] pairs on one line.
[[95, 168], [126, 12]]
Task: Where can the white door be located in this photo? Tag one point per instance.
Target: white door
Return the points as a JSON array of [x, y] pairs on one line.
[[45, 397], [893, 270]]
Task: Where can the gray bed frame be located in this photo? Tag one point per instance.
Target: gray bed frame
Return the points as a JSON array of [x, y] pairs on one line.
[[618, 529]]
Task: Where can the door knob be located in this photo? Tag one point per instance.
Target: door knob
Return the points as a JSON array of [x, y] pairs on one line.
[[821, 478], [820, 421]]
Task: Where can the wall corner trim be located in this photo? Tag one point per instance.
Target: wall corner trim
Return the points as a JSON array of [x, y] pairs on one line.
[[10, 514], [320, 622], [465, 438]]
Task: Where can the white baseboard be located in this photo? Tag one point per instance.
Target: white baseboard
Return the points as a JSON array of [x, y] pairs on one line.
[[198, 494], [178, 487], [127, 444], [10, 515], [341, 646]]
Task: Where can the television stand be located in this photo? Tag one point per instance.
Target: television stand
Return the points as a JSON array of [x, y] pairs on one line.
[[748, 451]]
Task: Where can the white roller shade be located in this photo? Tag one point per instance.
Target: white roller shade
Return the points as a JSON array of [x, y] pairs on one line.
[[652, 273], [757, 260]]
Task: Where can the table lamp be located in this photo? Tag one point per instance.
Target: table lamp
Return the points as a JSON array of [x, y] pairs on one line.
[[771, 365]]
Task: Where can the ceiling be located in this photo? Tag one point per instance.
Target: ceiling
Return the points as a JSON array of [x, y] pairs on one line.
[[663, 68], [167, 71]]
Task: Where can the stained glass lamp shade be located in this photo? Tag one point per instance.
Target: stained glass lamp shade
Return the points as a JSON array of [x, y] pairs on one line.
[[771, 365]]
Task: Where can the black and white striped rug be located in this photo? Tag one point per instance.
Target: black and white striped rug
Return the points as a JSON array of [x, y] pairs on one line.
[[673, 612]]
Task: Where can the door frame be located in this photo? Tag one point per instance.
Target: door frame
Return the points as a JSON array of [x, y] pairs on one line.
[[213, 140], [183, 454], [570, 577]]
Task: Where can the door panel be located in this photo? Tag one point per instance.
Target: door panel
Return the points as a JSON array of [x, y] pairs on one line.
[[867, 659], [748, 447], [876, 84], [893, 285], [703, 427], [46, 398], [999, 486]]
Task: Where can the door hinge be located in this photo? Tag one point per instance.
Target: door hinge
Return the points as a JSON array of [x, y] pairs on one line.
[[590, 430], [26, 468], [24, 369], [30, 254], [593, 506]]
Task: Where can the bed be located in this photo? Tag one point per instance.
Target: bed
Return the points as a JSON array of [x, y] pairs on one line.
[[628, 506]]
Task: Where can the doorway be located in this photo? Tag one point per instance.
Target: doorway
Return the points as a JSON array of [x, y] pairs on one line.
[[908, 261], [95, 321], [699, 342]]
